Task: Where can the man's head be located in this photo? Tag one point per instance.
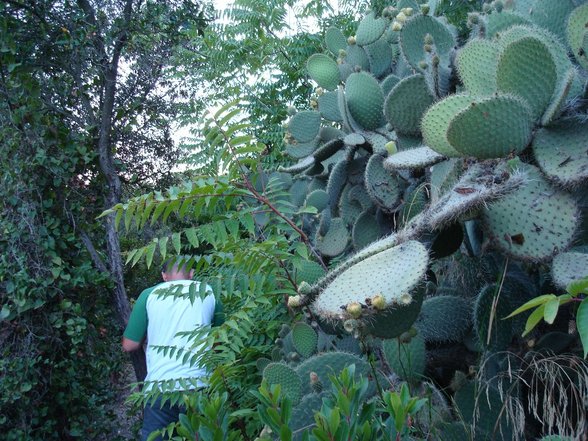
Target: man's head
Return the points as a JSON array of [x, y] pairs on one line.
[[176, 269]]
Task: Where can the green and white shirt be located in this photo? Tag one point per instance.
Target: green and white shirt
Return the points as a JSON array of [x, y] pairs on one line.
[[160, 318]]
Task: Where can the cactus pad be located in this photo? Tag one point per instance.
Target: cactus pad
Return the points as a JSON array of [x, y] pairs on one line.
[[308, 271], [576, 33], [444, 319], [489, 310], [560, 151], [501, 21], [305, 125], [391, 273], [476, 63], [301, 150], [284, 375], [551, 15], [480, 185], [318, 199], [365, 100], [381, 185], [491, 127], [324, 70], [335, 241], [365, 230], [328, 106], [412, 37], [420, 157], [406, 103], [381, 56], [407, 360], [335, 40], [388, 83], [356, 56], [567, 267], [370, 29], [329, 363], [304, 339], [436, 121], [534, 222], [527, 69]]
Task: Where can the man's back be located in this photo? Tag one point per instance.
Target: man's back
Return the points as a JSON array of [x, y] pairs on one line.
[[168, 315]]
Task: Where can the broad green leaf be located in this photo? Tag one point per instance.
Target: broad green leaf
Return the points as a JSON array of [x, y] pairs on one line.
[[177, 242], [118, 217], [138, 256], [130, 255], [149, 206], [578, 287], [534, 319], [192, 237], [551, 308], [150, 250], [537, 301], [173, 205], [163, 247], [158, 211], [129, 214], [185, 206], [582, 324]]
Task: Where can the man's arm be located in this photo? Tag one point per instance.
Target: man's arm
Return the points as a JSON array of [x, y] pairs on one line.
[[129, 345], [136, 329]]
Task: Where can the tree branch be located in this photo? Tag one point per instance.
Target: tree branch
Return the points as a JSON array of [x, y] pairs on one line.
[[98, 262]]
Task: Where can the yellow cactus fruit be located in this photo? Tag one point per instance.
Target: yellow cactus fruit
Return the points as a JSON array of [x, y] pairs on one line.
[[401, 17], [391, 147], [294, 301], [379, 302], [405, 299], [354, 309], [350, 325], [396, 26], [351, 40]]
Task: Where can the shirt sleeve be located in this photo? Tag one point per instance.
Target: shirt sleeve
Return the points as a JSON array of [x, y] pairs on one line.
[[137, 327]]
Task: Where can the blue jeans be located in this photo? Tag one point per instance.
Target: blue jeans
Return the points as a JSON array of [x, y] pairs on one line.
[[156, 417]]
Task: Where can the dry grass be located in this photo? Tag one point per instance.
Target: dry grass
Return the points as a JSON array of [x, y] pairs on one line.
[[554, 389]]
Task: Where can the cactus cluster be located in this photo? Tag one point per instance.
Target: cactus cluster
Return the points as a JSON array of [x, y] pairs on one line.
[[422, 142]]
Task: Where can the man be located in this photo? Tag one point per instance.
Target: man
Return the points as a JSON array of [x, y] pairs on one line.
[[159, 318]]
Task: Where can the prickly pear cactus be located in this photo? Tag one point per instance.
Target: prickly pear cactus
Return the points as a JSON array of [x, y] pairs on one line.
[[416, 132]]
